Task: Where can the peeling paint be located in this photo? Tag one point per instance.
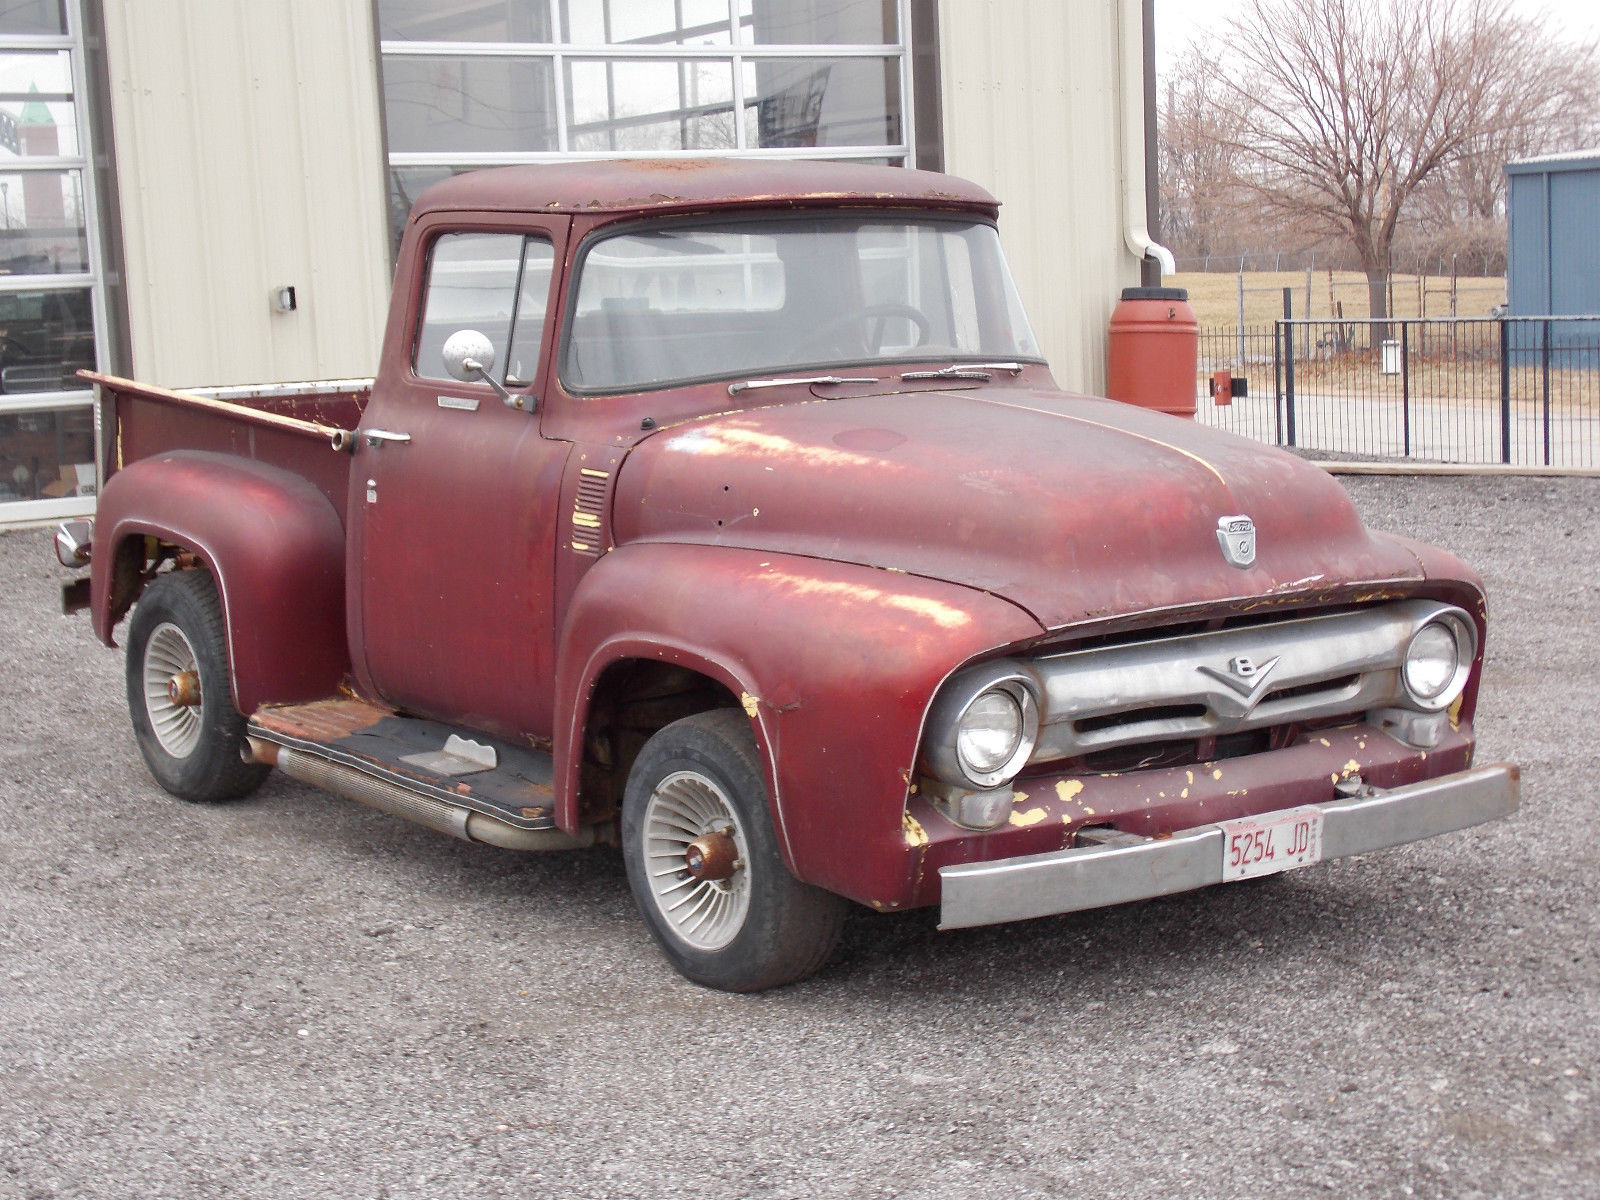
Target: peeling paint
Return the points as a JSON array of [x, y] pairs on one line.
[[1217, 774], [750, 703], [1019, 797], [1067, 789], [915, 834], [1351, 768], [1032, 817]]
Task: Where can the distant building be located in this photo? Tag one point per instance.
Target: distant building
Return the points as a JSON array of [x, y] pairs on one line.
[[1553, 213]]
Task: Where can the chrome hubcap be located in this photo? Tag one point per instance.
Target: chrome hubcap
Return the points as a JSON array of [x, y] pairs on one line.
[[685, 816], [172, 689]]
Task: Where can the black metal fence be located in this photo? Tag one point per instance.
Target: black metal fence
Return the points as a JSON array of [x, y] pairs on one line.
[[1518, 390]]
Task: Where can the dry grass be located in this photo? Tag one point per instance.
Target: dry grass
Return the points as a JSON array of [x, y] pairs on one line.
[[1216, 297]]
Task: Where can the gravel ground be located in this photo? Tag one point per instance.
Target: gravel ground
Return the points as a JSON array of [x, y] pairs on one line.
[[296, 997]]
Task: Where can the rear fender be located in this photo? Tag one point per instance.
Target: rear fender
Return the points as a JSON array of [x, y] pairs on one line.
[[835, 664], [274, 545]]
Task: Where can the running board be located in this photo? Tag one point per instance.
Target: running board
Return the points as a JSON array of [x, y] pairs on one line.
[[455, 781]]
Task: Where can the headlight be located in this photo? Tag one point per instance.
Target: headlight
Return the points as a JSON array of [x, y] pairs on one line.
[[983, 727], [990, 732], [1438, 660]]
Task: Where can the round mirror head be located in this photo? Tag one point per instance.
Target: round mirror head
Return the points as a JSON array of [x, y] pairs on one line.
[[468, 355]]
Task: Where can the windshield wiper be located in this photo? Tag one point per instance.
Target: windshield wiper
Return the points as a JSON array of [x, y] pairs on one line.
[[750, 385], [983, 371]]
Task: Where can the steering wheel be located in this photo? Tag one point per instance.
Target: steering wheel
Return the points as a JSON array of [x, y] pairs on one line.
[[871, 322]]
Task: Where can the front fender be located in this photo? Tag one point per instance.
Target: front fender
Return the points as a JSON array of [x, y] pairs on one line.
[[274, 545], [835, 663]]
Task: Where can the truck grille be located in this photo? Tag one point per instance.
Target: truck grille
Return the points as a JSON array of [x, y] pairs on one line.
[[1155, 696]]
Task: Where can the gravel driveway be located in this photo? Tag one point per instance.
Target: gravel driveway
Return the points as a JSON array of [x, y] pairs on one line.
[[296, 997]]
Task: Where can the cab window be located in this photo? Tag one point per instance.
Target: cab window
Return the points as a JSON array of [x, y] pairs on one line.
[[496, 283]]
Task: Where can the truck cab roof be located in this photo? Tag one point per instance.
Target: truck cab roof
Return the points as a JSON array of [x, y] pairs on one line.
[[637, 186]]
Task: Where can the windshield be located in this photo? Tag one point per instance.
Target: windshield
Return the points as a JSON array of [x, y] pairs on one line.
[[736, 298]]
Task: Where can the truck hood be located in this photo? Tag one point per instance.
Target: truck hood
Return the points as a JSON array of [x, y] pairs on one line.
[[1072, 508]]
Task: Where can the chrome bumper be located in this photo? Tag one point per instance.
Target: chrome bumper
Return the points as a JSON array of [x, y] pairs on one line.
[[1126, 867]]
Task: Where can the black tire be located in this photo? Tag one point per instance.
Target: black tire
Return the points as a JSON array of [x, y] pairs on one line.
[[192, 750], [786, 928]]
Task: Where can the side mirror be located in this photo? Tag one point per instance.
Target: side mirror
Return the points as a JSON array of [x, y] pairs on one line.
[[469, 356]]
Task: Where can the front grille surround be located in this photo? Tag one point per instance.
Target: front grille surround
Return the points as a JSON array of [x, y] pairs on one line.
[[1211, 684]]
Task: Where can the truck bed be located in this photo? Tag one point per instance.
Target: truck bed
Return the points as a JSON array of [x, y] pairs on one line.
[[296, 426]]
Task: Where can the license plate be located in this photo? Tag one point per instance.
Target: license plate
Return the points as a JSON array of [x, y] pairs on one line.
[[1254, 846]]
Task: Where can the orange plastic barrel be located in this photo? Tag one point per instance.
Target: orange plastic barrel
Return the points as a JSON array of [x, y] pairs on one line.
[[1155, 350]]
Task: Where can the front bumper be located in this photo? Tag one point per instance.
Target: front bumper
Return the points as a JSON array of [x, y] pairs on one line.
[[1129, 867]]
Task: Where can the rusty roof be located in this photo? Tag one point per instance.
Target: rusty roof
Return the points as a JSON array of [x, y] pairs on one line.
[[646, 185]]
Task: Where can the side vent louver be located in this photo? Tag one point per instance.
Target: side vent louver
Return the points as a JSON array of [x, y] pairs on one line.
[[588, 512]]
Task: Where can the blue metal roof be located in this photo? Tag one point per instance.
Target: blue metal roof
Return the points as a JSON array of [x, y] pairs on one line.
[[1570, 160]]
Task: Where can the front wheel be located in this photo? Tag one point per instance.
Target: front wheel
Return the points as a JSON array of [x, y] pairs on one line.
[[704, 865], [180, 693]]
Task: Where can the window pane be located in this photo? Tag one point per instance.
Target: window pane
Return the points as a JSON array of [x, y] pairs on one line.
[[469, 104], [472, 279], [37, 116], [492, 21], [33, 16], [45, 336], [46, 455], [820, 22], [813, 102], [650, 105], [538, 260], [42, 229], [646, 22]]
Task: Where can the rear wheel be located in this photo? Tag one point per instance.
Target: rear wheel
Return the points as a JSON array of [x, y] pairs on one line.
[[704, 865], [180, 693]]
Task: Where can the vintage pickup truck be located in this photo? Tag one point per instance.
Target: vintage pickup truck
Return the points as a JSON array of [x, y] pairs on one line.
[[728, 512]]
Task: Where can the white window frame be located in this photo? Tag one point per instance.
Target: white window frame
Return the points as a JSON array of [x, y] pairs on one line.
[[739, 53], [24, 512]]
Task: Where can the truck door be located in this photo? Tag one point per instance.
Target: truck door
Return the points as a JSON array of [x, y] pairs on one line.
[[453, 493]]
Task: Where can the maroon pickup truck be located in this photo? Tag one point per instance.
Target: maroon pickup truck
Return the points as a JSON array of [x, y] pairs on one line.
[[728, 512]]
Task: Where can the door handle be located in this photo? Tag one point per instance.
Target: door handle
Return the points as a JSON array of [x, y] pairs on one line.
[[376, 437]]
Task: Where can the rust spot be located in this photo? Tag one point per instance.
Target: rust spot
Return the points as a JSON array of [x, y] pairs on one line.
[[321, 720]]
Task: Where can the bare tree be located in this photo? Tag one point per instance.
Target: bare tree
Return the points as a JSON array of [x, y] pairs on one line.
[[1199, 162], [1341, 110]]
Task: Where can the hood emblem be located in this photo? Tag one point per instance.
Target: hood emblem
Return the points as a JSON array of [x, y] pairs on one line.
[[1245, 676], [1237, 537]]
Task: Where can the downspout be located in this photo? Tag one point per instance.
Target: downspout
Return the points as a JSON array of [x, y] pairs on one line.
[[1137, 39]]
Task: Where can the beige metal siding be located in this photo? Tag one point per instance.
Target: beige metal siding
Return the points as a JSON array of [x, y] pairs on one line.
[[249, 155], [1031, 111]]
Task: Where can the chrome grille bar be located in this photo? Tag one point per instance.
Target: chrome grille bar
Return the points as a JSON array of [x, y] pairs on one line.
[[1228, 681]]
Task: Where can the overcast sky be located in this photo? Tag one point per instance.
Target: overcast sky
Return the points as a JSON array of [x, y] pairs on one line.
[[1179, 20]]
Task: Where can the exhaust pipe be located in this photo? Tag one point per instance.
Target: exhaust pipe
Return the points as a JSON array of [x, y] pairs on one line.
[[421, 810]]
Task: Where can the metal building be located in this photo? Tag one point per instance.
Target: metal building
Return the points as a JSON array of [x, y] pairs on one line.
[[1553, 214], [167, 167]]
